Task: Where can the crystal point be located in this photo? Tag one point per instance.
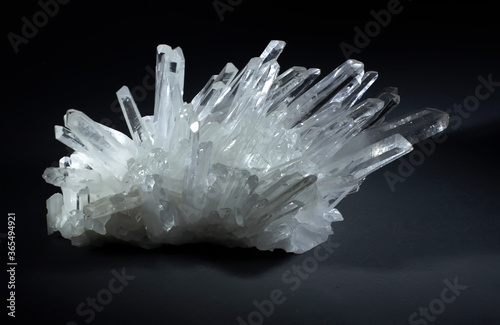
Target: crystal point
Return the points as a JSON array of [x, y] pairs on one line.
[[135, 124]]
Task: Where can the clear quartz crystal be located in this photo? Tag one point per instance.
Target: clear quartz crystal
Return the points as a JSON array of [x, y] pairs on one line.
[[258, 158], [140, 134]]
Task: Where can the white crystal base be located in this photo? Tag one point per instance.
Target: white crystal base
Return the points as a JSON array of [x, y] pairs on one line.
[[256, 159]]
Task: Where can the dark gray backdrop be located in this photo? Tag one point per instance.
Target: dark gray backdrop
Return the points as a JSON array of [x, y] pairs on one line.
[[425, 242]]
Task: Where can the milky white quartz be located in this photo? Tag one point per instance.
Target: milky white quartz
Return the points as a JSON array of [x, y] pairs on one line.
[[258, 158]]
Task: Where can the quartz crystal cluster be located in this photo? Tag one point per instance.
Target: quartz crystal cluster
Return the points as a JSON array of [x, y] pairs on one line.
[[258, 158]]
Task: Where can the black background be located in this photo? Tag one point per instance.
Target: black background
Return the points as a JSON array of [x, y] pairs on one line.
[[396, 247]]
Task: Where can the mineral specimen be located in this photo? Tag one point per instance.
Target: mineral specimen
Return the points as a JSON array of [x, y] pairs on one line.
[[257, 158]]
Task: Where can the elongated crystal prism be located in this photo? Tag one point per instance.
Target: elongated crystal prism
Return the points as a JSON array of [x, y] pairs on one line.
[[168, 99], [140, 134], [205, 100]]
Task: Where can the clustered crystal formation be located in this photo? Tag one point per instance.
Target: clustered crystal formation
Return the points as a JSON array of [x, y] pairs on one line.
[[256, 159]]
